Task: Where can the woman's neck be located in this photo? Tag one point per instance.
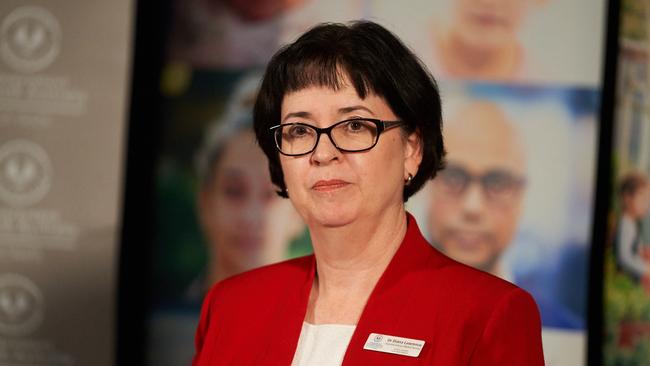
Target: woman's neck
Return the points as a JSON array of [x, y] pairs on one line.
[[349, 261]]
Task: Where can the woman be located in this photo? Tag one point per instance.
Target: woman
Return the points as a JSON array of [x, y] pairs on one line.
[[236, 207], [236, 202], [350, 122]]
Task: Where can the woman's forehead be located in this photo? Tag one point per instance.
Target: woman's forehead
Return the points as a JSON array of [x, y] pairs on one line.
[[319, 99]]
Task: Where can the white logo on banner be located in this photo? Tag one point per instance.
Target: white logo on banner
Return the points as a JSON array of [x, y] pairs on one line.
[[21, 305], [25, 173], [30, 39]]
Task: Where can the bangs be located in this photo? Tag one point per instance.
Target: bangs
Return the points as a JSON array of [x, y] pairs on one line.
[[327, 72]]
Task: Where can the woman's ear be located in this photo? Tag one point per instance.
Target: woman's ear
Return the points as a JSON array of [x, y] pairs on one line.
[[412, 153]]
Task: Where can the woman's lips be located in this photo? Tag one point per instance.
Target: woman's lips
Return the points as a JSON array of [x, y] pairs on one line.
[[329, 185]]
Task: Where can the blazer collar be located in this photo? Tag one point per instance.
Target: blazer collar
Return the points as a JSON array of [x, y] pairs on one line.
[[394, 290], [380, 314]]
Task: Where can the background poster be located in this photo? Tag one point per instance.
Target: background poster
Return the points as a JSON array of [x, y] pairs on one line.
[[62, 119], [540, 83], [522, 213], [627, 287]]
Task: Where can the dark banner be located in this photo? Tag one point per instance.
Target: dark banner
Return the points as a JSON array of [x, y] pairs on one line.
[[63, 92]]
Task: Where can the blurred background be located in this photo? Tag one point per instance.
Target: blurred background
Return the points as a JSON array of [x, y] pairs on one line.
[[130, 179]]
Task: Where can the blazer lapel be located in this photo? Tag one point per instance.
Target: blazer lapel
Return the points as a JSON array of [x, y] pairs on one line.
[[283, 332], [395, 289], [382, 312]]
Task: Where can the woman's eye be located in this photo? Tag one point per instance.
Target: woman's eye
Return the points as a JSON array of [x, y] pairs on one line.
[[298, 131], [357, 126]]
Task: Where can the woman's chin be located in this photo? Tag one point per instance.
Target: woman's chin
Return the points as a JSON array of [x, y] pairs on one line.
[[333, 217]]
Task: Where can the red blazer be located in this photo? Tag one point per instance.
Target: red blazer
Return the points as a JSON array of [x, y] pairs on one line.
[[465, 316]]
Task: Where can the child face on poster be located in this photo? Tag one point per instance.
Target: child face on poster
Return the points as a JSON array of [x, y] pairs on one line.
[[476, 202], [636, 204], [642, 201]]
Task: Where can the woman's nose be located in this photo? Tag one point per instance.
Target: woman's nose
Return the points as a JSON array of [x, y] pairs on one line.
[[325, 151]]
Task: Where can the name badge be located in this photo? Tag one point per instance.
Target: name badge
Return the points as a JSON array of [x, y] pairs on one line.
[[395, 345]]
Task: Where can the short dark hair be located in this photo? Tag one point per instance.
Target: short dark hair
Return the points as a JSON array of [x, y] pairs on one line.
[[631, 183], [376, 62]]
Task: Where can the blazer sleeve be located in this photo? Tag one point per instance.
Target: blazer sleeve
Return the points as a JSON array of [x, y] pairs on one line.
[[512, 334]]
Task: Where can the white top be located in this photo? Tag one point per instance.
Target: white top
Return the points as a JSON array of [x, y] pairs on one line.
[[322, 345], [628, 234]]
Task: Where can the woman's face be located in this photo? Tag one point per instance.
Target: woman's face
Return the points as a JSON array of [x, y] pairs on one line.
[[489, 23], [333, 188], [236, 208]]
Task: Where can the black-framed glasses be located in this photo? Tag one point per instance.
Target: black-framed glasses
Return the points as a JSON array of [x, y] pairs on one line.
[[497, 184], [350, 135]]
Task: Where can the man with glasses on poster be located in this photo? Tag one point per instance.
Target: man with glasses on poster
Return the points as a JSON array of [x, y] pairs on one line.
[[477, 202]]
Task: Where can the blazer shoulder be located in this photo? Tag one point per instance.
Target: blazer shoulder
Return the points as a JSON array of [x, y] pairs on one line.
[[264, 281], [462, 280], [446, 274], [487, 305]]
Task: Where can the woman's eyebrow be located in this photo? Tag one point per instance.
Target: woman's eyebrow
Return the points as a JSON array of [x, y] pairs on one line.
[[297, 114], [344, 110], [354, 108]]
